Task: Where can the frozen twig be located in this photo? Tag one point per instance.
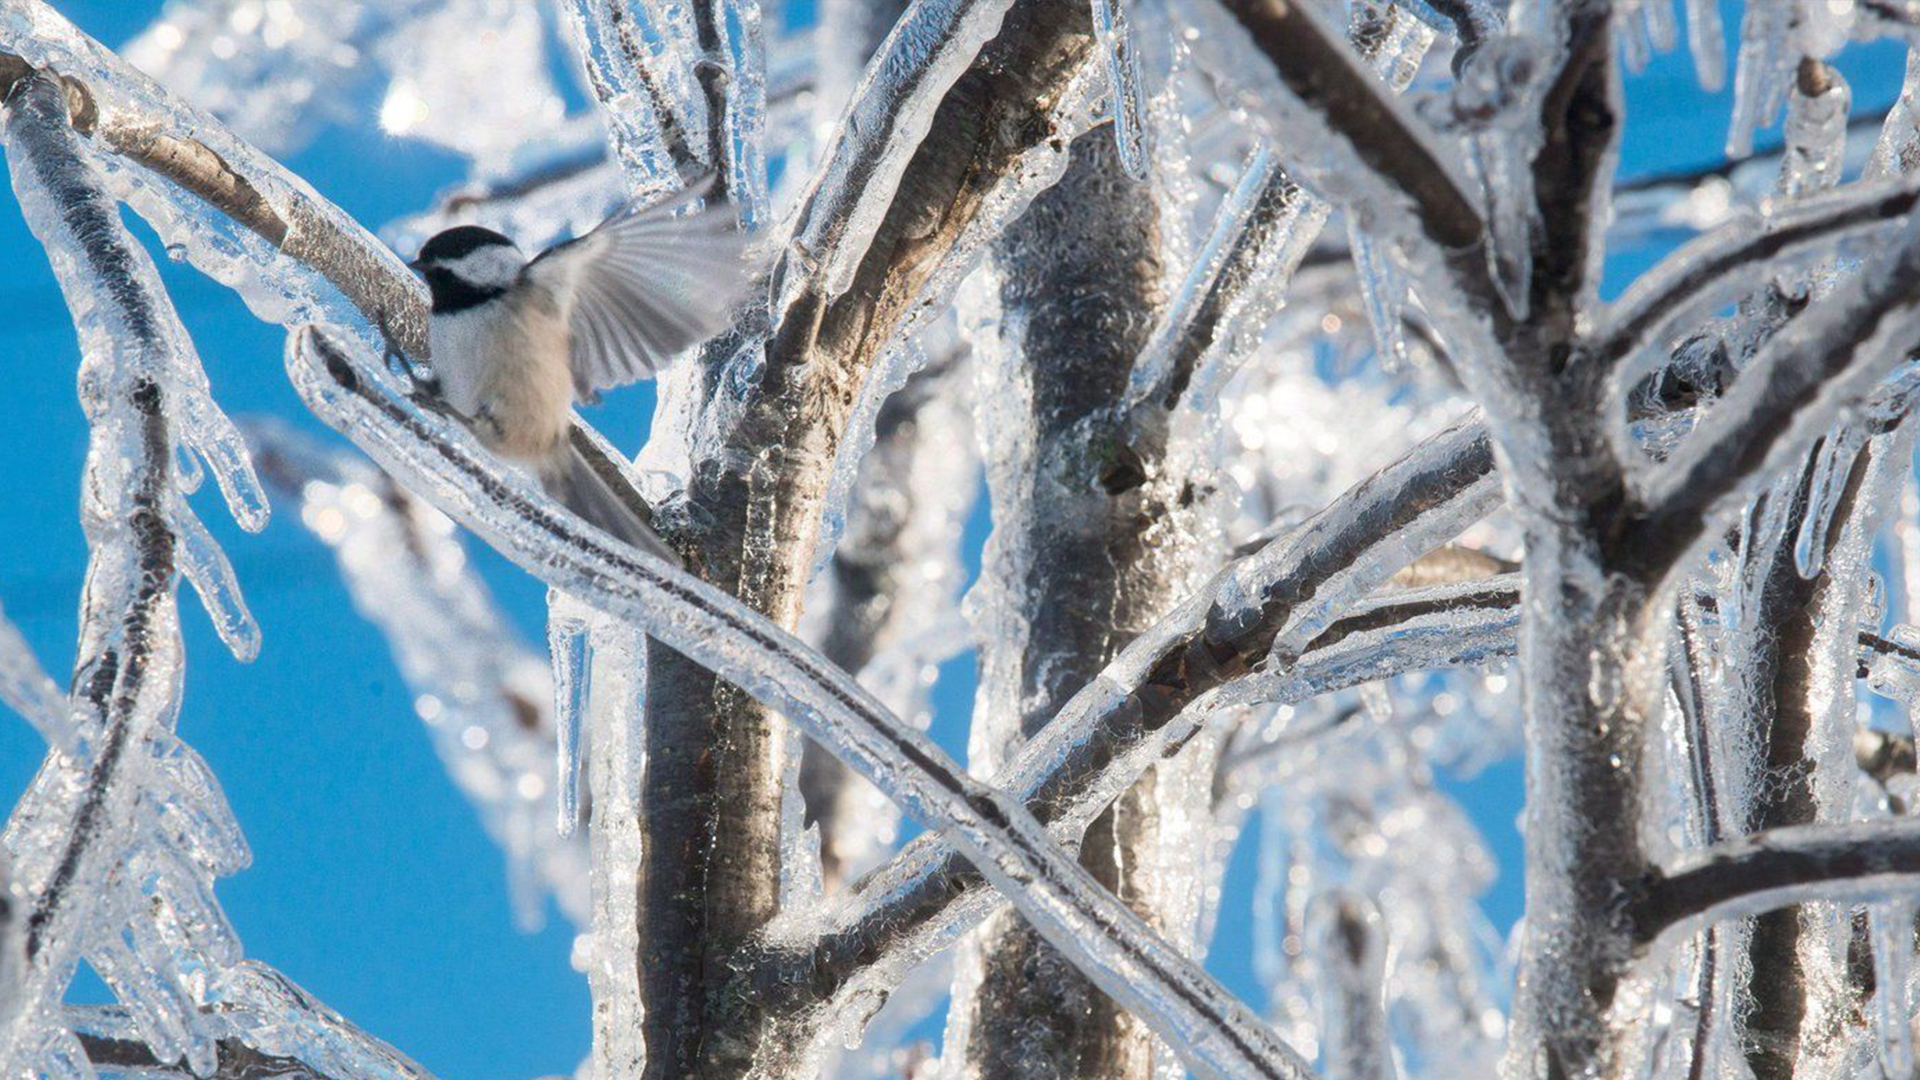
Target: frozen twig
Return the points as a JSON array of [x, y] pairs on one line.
[[1325, 88], [1852, 862], [1734, 259], [1215, 1034], [1825, 360], [127, 667]]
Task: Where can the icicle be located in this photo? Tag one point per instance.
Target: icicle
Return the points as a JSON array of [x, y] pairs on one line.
[[206, 568], [1636, 45], [1815, 130], [1384, 290], [1114, 31], [1832, 462], [1705, 42], [1492, 98], [1759, 72], [1662, 33], [746, 119], [28, 690], [570, 650], [1892, 928], [614, 755], [1897, 151]]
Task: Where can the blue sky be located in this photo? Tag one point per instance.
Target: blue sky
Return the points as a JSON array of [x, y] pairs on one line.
[[373, 885]]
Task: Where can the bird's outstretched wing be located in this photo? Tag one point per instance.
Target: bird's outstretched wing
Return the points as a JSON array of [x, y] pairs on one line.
[[646, 284]]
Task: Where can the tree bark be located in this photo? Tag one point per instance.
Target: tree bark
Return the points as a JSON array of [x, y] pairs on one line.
[[1095, 537]]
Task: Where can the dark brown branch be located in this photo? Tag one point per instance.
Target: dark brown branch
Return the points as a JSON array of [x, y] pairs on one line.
[[1781, 867], [1701, 273], [1317, 67], [235, 1061]]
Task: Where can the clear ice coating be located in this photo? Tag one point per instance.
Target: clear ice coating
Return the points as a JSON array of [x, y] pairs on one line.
[[1363, 646]]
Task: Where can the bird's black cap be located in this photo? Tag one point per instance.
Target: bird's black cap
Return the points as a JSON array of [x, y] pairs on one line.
[[458, 241]]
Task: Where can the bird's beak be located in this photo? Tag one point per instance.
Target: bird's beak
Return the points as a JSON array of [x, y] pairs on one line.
[[416, 266]]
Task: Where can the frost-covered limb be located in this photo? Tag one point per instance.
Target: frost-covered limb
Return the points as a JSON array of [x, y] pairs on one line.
[[73, 826], [482, 695], [1402, 172], [1854, 862], [1735, 259], [1261, 233], [107, 1037], [1146, 704], [1097, 531], [929, 49], [1263, 230], [236, 1061], [656, 120], [1215, 1034], [765, 451], [1828, 358]]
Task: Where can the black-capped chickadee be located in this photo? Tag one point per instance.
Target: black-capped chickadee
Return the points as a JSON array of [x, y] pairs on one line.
[[516, 342]]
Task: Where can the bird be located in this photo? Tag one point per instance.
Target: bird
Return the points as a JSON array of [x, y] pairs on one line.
[[514, 343]]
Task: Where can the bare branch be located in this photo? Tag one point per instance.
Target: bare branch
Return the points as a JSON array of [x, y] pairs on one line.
[[1733, 259], [1317, 68], [1829, 358], [1855, 862]]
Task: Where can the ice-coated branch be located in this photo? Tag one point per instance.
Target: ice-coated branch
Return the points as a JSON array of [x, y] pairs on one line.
[[1096, 532], [236, 1061], [1399, 184], [1216, 1035], [1828, 358], [106, 1036], [74, 823], [1317, 68], [892, 109], [642, 90], [1142, 707], [1261, 233], [1852, 862], [1734, 259]]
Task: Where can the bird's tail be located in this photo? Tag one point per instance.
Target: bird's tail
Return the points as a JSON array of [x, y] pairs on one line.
[[575, 485]]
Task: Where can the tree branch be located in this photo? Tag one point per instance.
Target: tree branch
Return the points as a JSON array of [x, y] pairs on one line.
[[1215, 1034], [1855, 862], [1138, 711], [1732, 259], [1827, 359]]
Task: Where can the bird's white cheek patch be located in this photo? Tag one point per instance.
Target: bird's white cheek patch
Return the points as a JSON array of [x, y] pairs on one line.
[[497, 266]]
